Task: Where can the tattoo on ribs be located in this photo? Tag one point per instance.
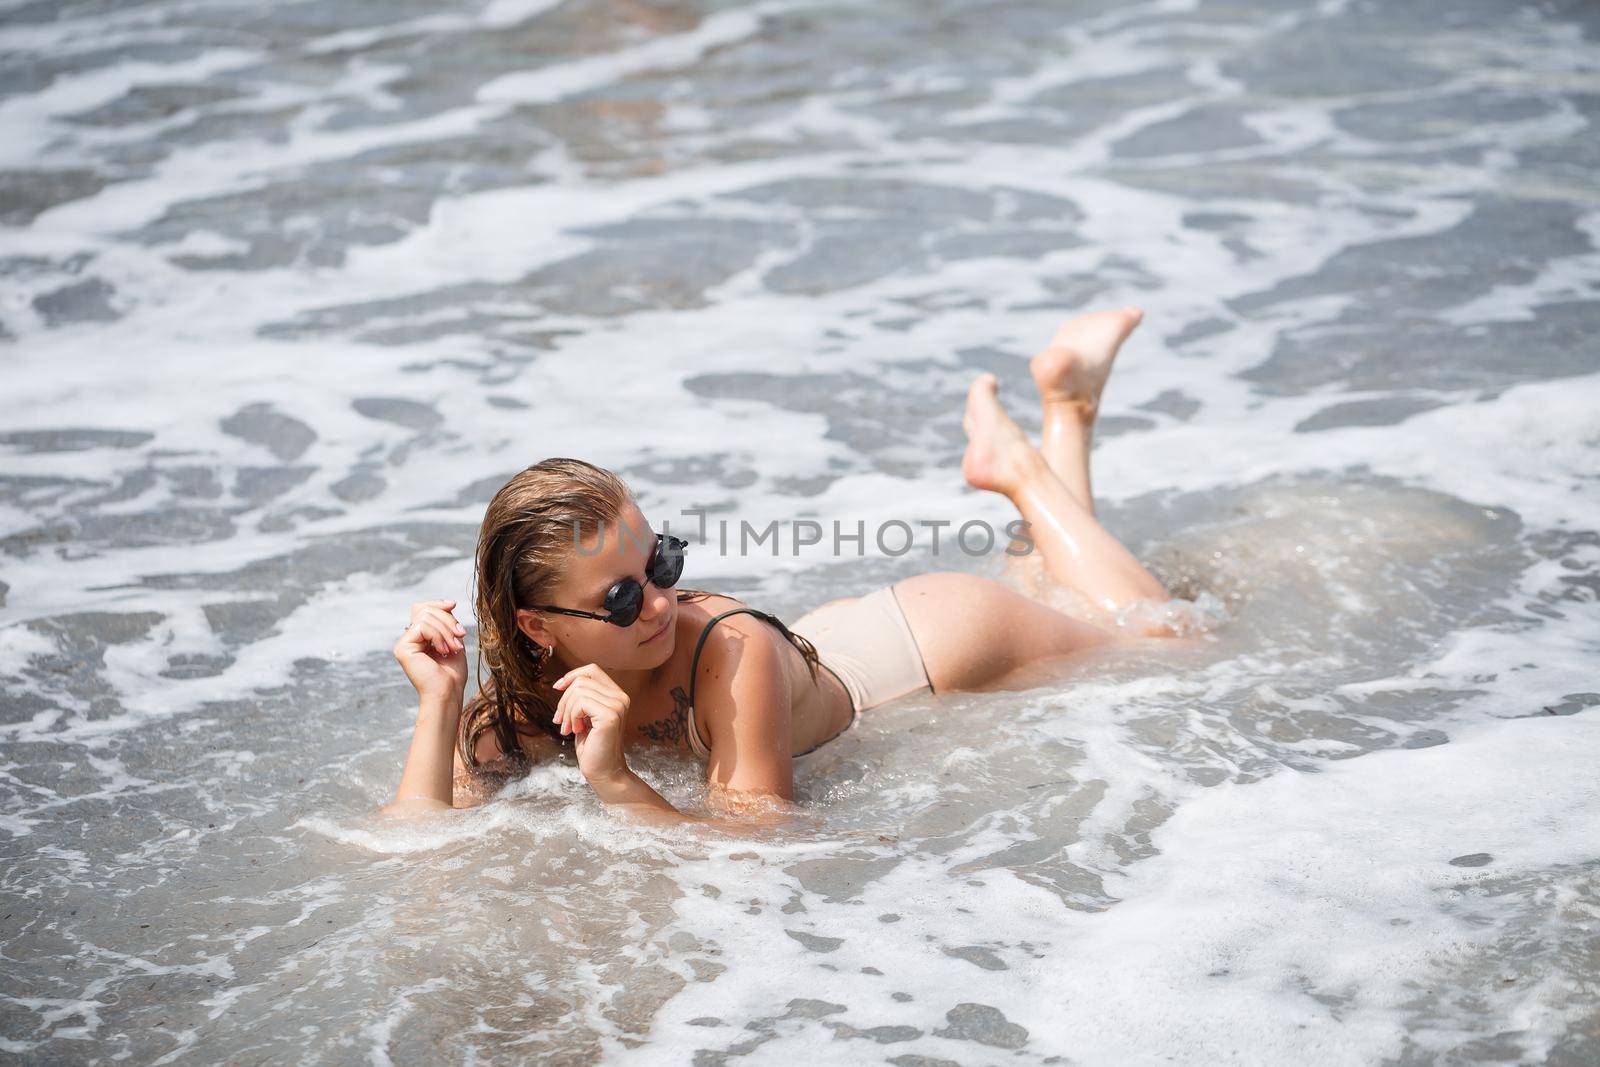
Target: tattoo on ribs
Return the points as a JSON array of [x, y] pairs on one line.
[[674, 729]]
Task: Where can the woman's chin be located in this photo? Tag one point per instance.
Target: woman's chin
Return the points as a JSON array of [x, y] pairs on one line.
[[660, 650]]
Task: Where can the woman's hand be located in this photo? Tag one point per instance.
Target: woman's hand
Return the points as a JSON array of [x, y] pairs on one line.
[[431, 650], [592, 709]]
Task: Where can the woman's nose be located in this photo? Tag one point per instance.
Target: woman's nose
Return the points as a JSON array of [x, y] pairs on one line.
[[658, 601]]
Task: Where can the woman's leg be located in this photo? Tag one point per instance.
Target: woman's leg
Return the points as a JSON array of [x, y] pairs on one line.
[[974, 632], [1050, 486], [1077, 551], [1070, 375]]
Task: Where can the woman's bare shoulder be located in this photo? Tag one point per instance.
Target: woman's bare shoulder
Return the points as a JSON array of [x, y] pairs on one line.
[[728, 642], [708, 604], [744, 655]]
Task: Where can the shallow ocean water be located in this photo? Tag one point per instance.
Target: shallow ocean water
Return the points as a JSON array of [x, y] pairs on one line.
[[289, 291]]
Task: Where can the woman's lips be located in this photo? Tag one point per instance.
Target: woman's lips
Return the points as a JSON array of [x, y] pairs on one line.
[[657, 634]]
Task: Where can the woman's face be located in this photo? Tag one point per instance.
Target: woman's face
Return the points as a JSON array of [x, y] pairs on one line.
[[608, 556]]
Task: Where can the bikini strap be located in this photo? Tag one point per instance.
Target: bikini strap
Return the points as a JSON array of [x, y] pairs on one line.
[[694, 667]]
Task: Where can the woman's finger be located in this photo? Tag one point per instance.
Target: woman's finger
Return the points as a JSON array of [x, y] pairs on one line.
[[432, 634], [436, 612], [448, 626], [563, 715], [448, 621], [597, 710], [578, 716], [423, 607], [601, 700], [587, 670], [588, 675], [426, 636], [605, 693], [589, 694], [445, 624]]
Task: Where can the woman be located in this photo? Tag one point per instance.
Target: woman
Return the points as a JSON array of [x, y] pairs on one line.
[[587, 648]]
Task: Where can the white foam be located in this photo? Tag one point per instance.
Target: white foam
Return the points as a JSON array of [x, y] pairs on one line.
[[32, 136], [1262, 898]]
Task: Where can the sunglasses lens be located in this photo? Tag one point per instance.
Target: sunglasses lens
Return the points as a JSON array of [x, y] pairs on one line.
[[626, 598], [624, 602], [668, 563]]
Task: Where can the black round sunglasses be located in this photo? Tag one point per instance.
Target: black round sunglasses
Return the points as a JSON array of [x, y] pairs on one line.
[[625, 600]]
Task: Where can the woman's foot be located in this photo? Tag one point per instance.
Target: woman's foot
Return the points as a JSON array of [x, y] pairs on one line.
[[1074, 367], [998, 452]]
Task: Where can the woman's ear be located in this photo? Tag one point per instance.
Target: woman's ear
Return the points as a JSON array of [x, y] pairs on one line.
[[531, 623]]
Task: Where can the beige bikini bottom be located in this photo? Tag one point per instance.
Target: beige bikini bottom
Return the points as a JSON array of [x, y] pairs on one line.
[[868, 644]]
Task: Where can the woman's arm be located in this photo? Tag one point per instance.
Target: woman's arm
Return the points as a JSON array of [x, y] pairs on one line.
[[742, 700], [622, 788], [434, 658], [428, 781], [634, 795], [593, 708]]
